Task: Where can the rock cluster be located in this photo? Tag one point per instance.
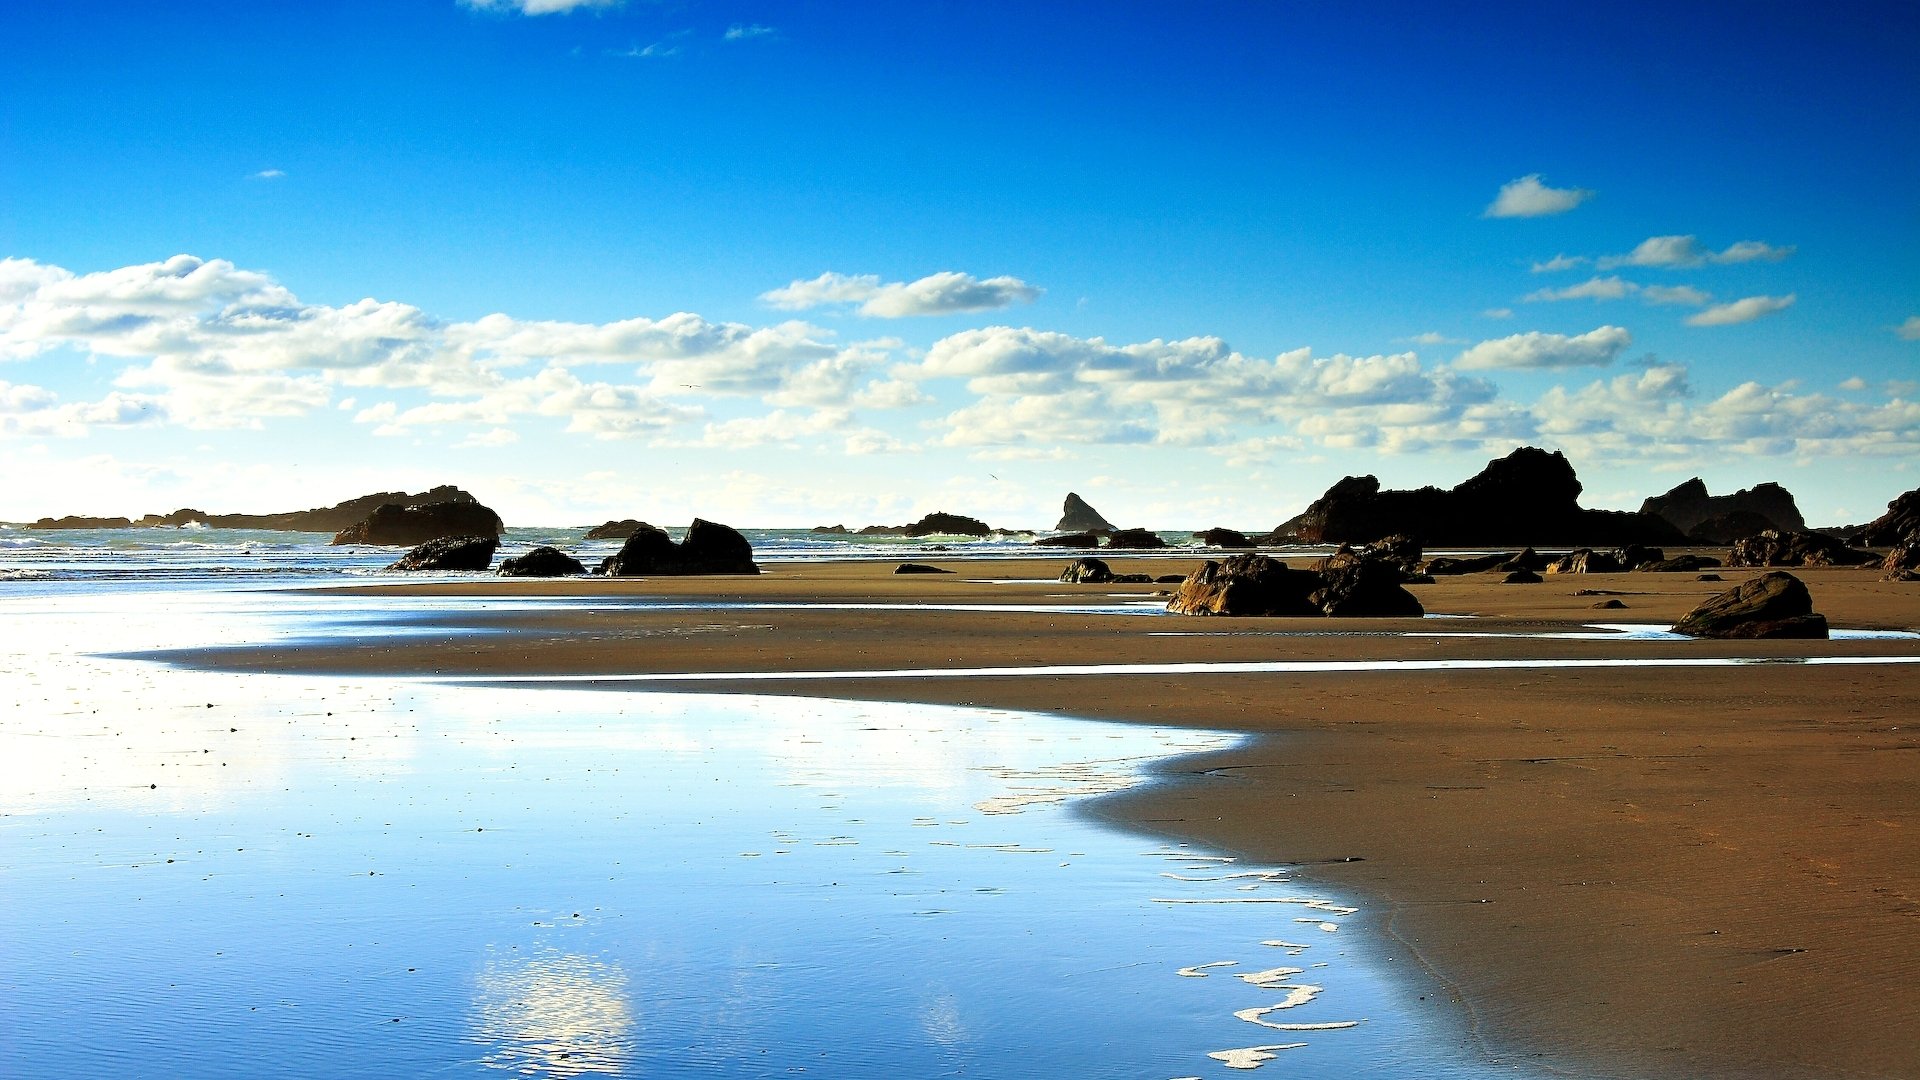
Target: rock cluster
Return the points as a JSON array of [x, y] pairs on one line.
[[1773, 548], [1773, 605], [708, 548], [1349, 584]]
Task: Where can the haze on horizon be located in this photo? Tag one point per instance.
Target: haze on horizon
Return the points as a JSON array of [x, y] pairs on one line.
[[807, 263]]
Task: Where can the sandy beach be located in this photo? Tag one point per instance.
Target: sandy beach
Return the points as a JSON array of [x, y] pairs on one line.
[[1637, 871]]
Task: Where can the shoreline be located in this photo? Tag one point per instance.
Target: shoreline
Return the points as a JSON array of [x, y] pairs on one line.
[[1618, 871]]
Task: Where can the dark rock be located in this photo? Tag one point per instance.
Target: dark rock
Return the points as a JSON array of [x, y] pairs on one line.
[[1899, 524], [1709, 577], [830, 530], [395, 525], [616, 530], [1449, 566], [1069, 540], [1528, 495], [1077, 516], [1364, 584], [1169, 579], [708, 548], [1902, 575], [450, 553], [1087, 572], [1399, 550], [1610, 605], [1688, 507], [1633, 556], [1773, 605], [1601, 592], [941, 524], [1526, 560], [1522, 577], [542, 562], [1772, 548], [1133, 579], [882, 530], [1247, 585], [1224, 538], [1586, 561], [1135, 540], [918, 568], [1679, 564], [80, 521], [1728, 528], [1904, 557], [1418, 579]]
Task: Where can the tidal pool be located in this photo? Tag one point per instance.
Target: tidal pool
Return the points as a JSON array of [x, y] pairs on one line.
[[220, 875]]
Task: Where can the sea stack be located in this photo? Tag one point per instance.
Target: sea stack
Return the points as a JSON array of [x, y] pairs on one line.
[[1077, 517]]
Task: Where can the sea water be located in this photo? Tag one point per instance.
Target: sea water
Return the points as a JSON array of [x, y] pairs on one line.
[[210, 874]]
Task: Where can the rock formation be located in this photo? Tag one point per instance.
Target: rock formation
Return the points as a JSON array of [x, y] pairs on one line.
[[449, 553], [1899, 524], [326, 519], [1077, 516], [1135, 540], [394, 525], [1087, 572], [1772, 548], [1224, 538], [1351, 585], [1773, 605], [1586, 561], [1529, 495], [1679, 564], [1730, 527], [1070, 540], [616, 530], [1363, 584], [81, 521], [830, 530], [542, 562], [1904, 557], [941, 524], [708, 548], [1688, 505]]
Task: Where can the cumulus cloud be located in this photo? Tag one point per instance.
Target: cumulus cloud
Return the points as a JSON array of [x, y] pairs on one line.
[[944, 293], [537, 7], [1595, 348], [1741, 311], [1909, 330], [1559, 263], [1598, 288], [1687, 251], [1528, 197]]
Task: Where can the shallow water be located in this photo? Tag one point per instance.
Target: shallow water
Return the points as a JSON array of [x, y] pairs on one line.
[[215, 875]]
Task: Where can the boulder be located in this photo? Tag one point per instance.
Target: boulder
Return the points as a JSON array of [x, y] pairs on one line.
[[1526, 560], [1087, 572], [1688, 507], [1169, 579], [708, 548], [1773, 605], [1530, 495], [1133, 579], [1709, 577], [1586, 561], [616, 530], [1610, 605], [1773, 548], [1077, 516], [1904, 557], [449, 553], [1522, 577], [1633, 556], [1069, 540], [1135, 540], [395, 525], [942, 524], [1679, 564], [1247, 585], [542, 562], [918, 568], [1360, 584], [1224, 538], [1399, 549], [1899, 524], [1448, 565]]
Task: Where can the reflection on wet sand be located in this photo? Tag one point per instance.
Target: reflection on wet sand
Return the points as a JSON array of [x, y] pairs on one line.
[[555, 1015]]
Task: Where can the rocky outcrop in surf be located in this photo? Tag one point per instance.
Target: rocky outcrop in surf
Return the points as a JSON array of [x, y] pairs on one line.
[[395, 525], [449, 553], [708, 548], [326, 519], [1688, 506], [542, 561], [1135, 540], [1774, 605], [1077, 516], [616, 530]]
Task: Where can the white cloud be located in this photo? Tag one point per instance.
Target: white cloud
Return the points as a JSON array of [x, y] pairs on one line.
[[1497, 313], [739, 32], [1686, 251], [1909, 330], [267, 174], [1595, 348], [1675, 294], [1559, 263], [1598, 288], [1741, 311], [659, 50], [538, 7], [1433, 337], [944, 293], [1528, 197], [1856, 383]]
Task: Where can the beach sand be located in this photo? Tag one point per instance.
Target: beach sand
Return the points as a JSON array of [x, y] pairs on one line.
[[1617, 871]]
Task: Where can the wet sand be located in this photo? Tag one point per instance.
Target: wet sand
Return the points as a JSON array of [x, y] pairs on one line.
[[1659, 872]]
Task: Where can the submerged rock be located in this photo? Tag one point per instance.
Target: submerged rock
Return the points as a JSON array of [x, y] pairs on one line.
[[542, 562], [449, 553], [709, 548], [1773, 605]]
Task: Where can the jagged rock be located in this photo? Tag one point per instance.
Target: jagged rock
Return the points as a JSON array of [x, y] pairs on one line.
[[1069, 540], [541, 562], [450, 553], [942, 524], [1902, 575], [1586, 561], [1450, 566], [1087, 572], [1522, 577], [1688, 506], [1400, 550], [395, 525], [708, 548], [1904, 557], [1224, 538], [1135, 540], [1899, 524], [918, 568], [1077, 516], [1364, 584], [1679, 564], [882, 530], [1773, 605], [616, 530], [830, 530], [1610, 605], [1729, 528], [1529, 495], [1247, 585], [1526, 560], [1633, 556], [1772, 548], [80, 521]]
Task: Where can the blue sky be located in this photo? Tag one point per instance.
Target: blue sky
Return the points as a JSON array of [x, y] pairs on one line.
[[790, 264]]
